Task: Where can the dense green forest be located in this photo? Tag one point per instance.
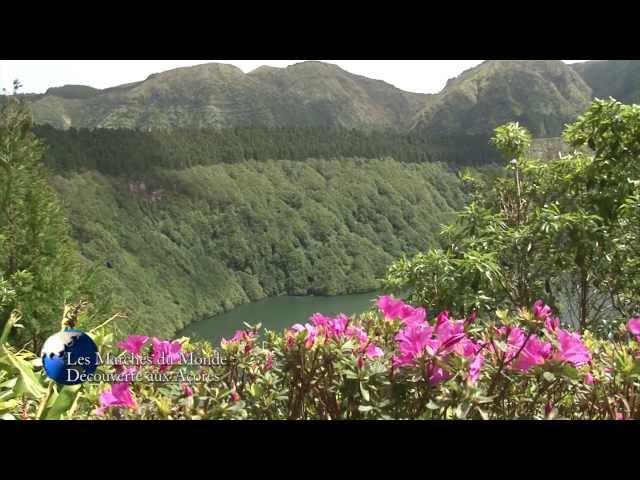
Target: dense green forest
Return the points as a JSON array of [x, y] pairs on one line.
[[184, 244], [131, 152]]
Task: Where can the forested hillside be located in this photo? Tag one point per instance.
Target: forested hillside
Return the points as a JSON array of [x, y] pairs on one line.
[[131, 152], [619, 79], [184, 244]]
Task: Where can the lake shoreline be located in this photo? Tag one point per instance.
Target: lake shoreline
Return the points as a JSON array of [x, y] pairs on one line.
[[278, 312]]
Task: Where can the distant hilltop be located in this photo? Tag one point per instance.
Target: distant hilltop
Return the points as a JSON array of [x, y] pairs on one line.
[[543, 95]]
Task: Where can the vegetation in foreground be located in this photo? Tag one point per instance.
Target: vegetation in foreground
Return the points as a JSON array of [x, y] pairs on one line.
[[392, 364]]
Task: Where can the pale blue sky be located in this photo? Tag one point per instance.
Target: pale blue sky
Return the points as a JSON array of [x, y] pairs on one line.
[[424, 76]]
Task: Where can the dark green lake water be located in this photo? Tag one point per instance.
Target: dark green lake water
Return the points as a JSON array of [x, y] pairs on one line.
[[277, 313]]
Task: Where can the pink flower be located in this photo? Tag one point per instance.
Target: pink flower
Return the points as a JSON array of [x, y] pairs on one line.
[[446, 327], [412, 341], [412, 315], [165, 353], [311, 335], [117, 396], [442, 317], [619, 416], [472, 317], [437, 375], [240, 336], [588, 379], [235, 397], [634, 325], [133, 344], [572, 349], [269, 363], [319, 320], [390, 307], [535, 352], [474, 368], [548, 408], [357, 333], [187, 391], [394, 309], [551, 324], [338, 325], [448, 344], [540, 310], [374, 351]]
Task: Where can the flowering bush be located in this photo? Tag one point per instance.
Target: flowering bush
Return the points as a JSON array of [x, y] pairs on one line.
[[395, 363]]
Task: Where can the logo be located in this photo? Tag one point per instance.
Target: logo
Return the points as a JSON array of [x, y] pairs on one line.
[[69, 357]]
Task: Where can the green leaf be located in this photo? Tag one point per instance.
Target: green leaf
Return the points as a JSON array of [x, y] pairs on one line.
[[62, 402], [548, 376], [28, 382], [364, 392], [13, 319]]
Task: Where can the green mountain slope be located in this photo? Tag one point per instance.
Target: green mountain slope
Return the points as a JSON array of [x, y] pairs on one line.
[[217, 95], [187, 244], [543, 95], [619, 79]]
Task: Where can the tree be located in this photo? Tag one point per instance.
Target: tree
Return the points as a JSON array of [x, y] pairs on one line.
[[36, 258], [564, 230]]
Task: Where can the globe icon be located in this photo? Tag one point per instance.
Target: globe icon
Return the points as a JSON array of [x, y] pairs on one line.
[[68, 355]]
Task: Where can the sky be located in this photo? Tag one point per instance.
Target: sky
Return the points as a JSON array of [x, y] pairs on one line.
[[421, 76]]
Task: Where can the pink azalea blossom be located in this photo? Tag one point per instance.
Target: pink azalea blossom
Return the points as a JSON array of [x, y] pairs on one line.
[[437, 375], [320, 320], [412, 341], [540, 310], [572, 349], [269, 363], [471, 317], [133, 344], [443, 317], [374, 351], [240, 336], [357, 333], [165, 353], [338, 325], [475, 367], [551, 324], [187, 391], [390, 307], [548, 408], [634, 325], [393, 309], [118, 395], [588, 379], [535, 352], [312, 332], [414, 315]]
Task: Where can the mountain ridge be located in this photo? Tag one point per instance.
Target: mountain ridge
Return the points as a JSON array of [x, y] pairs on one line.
[[543, 95]]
